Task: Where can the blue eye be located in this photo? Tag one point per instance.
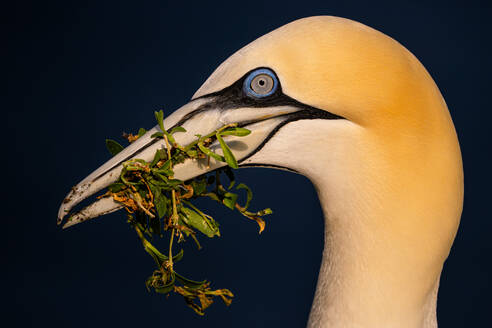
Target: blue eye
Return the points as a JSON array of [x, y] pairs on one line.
[[260, 83]]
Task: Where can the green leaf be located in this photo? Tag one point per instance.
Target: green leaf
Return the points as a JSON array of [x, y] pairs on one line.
[[199, 186], [163, 153], [158, 257], [210, 153], [181, 221], [177, 129], [158, 180], [157, 158], [159, 116], [174, 182], [157, 135], [116, 187], [238, 132], [164, 169], [195, 220], [230, 200], [228, 156], [113, 147], [141, 132], [192, 153], [160, 201], [160, 120], [165, 172], [249, 194]]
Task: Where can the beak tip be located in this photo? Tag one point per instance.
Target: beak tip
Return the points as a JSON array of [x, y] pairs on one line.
[[59, 220], [71, 199], [61, 213]]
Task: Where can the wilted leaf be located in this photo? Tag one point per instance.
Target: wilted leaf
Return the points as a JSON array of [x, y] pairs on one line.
[[266, 211], [260, 221], [248, 192]]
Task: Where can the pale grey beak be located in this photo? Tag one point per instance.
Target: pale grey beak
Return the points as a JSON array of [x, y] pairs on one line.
[[197, 118]]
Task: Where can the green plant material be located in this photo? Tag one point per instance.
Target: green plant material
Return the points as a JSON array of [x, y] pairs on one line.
[[228, 156], [203, 295], [157, 204], [234, 131], [206, 151], [204, 224], [113, 147], [229, 200], [141, 132], [249, 196], [177, 129]]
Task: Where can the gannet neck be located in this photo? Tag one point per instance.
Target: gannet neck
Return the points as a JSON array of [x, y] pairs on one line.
[[355, 290], [391, 210]]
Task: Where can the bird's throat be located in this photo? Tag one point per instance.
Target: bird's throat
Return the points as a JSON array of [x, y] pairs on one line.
[[364, 282]]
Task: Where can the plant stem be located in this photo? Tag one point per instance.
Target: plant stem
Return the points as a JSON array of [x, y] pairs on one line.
[[174, 216], [170, 261]]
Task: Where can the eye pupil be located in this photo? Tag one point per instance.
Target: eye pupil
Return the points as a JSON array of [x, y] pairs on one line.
[[262, 84]]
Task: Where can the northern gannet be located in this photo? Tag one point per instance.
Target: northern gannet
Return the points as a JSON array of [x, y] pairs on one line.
[[355, 112]]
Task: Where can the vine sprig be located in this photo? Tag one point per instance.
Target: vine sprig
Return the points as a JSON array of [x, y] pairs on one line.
[[157, 203]]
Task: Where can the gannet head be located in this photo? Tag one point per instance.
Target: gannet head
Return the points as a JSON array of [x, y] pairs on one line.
[[351, 109]]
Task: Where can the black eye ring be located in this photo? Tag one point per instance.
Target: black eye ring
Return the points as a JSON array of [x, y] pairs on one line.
[[265, 81]]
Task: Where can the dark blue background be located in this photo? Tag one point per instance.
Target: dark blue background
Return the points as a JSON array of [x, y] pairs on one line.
[[76, 73]]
